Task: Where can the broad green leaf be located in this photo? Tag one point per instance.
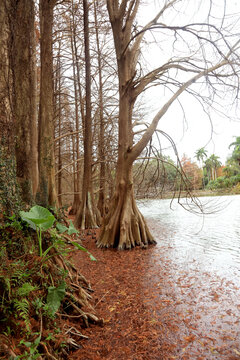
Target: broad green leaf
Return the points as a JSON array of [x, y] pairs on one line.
[[79, 247], [38, 216], [61, 228], [47, 224], [30, 223], [26, 343], [55, 296], [37, 340], [72, 229]]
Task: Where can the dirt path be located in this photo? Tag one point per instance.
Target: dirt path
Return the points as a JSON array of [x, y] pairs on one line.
[[153, 310]]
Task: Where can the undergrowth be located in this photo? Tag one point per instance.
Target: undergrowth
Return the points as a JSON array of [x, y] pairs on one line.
[[38, 292]]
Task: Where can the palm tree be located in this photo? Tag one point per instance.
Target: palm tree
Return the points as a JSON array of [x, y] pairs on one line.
[[236, 150], [214, 162], [200, 154], [208, 167], [232, 167]]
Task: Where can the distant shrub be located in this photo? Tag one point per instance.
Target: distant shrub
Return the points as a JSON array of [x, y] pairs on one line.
[[223, 182]]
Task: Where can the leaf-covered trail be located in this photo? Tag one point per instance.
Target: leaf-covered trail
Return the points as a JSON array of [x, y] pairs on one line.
[[154, 311]]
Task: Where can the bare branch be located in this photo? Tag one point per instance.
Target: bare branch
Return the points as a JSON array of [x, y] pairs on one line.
[[138, 148], [148, 26]]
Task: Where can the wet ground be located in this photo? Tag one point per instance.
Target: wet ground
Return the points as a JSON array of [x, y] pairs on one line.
[[206, 307], [158, 306]]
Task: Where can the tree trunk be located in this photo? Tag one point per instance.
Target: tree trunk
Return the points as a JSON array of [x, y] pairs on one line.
[[124, 226], [76, 81], [101, 141], [47, 194], [6, 120], [8, 190], [59, 113], [24, 100], [87, 215]]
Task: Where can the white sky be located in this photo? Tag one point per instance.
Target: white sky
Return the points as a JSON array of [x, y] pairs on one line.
[[196, 132]]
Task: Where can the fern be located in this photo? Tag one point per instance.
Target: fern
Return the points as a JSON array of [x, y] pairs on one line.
[[22, 307], [19, 274], [25, 289]]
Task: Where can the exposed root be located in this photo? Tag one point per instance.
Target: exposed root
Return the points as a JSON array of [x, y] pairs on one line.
[[73, 331], [47, 353], [83, 315], [82, 301], [78, 296], [124, 226]]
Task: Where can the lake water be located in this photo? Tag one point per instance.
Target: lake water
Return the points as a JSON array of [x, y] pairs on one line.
[[194, 276], [210, 242]]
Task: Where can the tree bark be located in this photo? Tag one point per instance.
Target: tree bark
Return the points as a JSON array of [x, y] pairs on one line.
[[58, 110], [47, 194], [101, 141], [24, 99], [87, 215], [6, 119], [77, 86]]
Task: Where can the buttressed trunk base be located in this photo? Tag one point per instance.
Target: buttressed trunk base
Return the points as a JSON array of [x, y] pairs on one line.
[[124, 227], [87, 216]]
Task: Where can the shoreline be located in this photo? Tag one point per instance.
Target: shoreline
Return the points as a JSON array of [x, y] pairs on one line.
[[196, 193]]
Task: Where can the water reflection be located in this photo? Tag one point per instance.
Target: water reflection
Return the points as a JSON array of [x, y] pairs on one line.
[[212, 240]]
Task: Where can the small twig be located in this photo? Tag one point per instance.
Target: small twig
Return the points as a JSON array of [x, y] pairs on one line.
[[76, 299], [47, 352], [101, 299], [83, 315], [71, 316], [73, 343], [75, 332]]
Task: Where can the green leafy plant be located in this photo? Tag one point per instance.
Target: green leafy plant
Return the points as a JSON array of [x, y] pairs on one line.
[[33, 289], [55, 296], [14, 222], [79, 247], [70, 230], [39, 219], [33, 349], [22, 307], [25, 289]]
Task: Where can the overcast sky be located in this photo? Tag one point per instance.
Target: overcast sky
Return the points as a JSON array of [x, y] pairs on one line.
[[196, 130]]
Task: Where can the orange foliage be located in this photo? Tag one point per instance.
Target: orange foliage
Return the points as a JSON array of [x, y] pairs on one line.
[[192, 171], [220, 171]]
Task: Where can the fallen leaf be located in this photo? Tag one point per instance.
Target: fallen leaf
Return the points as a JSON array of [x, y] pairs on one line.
[[236, 351]]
